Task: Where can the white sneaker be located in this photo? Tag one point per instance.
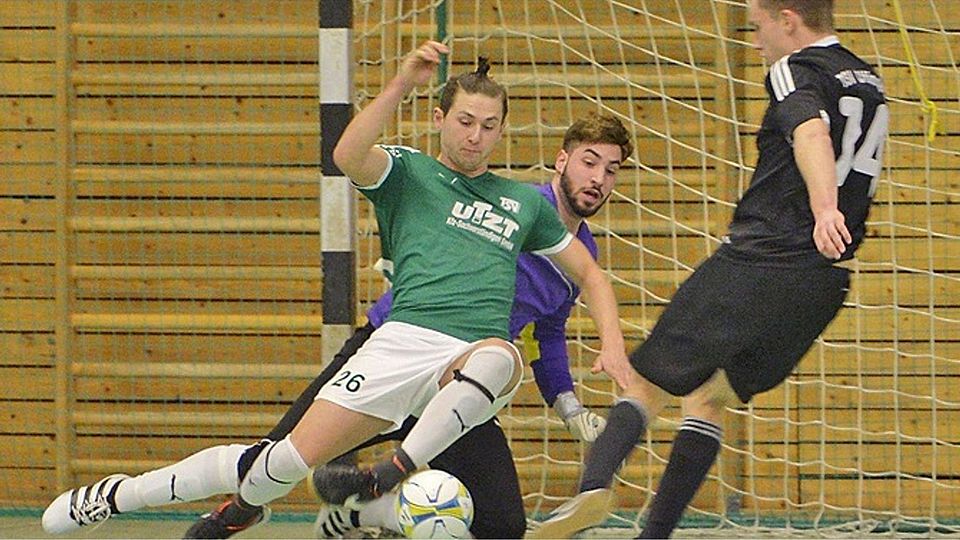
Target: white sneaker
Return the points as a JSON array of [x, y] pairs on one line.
[[82, 506], [335, 521], [587, 509]]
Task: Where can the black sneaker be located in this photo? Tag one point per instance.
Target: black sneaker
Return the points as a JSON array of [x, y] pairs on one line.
[[344, 484], [228, 519]]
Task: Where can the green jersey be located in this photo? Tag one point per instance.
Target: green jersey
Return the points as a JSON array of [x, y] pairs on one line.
[[450, 243]]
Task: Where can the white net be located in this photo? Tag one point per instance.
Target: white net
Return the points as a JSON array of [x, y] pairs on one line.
[[864, 435]]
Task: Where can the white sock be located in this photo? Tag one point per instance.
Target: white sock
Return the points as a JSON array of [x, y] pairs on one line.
[[460, 404], [381, 512], [208, 472], [276, 471]]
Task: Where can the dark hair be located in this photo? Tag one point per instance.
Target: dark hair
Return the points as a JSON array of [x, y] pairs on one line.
[[598, 128], [816, 14], [476, 82]]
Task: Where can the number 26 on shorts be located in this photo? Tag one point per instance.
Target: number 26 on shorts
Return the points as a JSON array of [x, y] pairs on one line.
[[348, 380]]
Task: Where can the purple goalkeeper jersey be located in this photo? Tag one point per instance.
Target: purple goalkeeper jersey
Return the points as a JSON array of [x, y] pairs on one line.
[[544, 296]]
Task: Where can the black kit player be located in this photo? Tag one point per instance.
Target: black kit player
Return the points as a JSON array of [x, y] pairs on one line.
[[746, 316]]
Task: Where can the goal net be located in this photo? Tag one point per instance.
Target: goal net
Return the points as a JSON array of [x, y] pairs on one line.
[[864, 436]]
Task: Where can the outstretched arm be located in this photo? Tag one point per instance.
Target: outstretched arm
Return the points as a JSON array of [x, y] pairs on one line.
[[598, 294], [355, 153], [547, 354], [551, 371]]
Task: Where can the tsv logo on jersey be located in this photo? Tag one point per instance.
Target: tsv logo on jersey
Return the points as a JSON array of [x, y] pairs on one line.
[[480, 219], [510, 205], [397, 150]]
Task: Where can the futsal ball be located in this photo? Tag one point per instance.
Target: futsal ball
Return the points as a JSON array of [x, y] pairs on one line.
[[434, 504]]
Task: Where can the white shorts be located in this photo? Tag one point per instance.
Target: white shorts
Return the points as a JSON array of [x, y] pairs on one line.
[[397, 372]]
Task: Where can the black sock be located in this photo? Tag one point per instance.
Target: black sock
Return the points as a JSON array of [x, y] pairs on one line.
[[241, 512], [694, 450], [625, 425], [392, 472]]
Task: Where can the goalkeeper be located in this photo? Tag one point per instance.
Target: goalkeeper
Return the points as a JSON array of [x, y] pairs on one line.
[[585, 172]]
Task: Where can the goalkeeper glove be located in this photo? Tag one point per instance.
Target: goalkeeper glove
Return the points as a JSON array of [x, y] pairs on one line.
[[581, 422]]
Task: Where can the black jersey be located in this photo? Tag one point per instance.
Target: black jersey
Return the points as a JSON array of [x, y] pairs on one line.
[[773, 223]]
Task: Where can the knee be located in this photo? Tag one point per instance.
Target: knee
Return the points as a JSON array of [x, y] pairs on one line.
[[708, 402], [515, 363], [494, 362], [504, 349], [709, 409], [650, 396]]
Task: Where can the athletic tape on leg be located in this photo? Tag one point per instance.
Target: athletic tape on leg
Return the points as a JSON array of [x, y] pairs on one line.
[[461, 404]]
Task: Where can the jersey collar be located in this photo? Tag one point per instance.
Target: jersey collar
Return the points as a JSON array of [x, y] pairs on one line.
[[826, 42]]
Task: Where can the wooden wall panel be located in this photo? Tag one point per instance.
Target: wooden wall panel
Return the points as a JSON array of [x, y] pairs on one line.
[[27, 79], [26, 13], [165, 128], [198, 13], [24, 44]]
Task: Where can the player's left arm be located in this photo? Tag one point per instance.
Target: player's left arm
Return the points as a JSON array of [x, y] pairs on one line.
[[798, 84], [600, 299], [813, 152], [552, 374], [549, 361]]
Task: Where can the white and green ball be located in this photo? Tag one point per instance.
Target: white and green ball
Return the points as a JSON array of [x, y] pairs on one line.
[[434, 504]]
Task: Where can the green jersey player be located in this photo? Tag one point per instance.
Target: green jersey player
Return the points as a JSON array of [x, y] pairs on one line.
[[451, 231]]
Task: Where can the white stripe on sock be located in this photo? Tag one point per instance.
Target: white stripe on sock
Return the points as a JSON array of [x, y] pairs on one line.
[[704, 427]]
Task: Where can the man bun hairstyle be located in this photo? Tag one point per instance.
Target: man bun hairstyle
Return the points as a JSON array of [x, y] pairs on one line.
[[474, 82], [483, 66]]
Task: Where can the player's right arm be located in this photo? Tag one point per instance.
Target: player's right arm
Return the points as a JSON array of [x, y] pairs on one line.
[[355, 153], [813, 152], [577, 263]]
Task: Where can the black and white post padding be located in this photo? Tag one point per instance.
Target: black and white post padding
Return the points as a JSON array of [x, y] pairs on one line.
[[337, 204]]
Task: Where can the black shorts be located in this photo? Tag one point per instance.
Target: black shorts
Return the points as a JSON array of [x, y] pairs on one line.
[[753, 322]]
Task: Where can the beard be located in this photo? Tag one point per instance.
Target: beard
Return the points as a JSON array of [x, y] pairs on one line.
[[571, 198]]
